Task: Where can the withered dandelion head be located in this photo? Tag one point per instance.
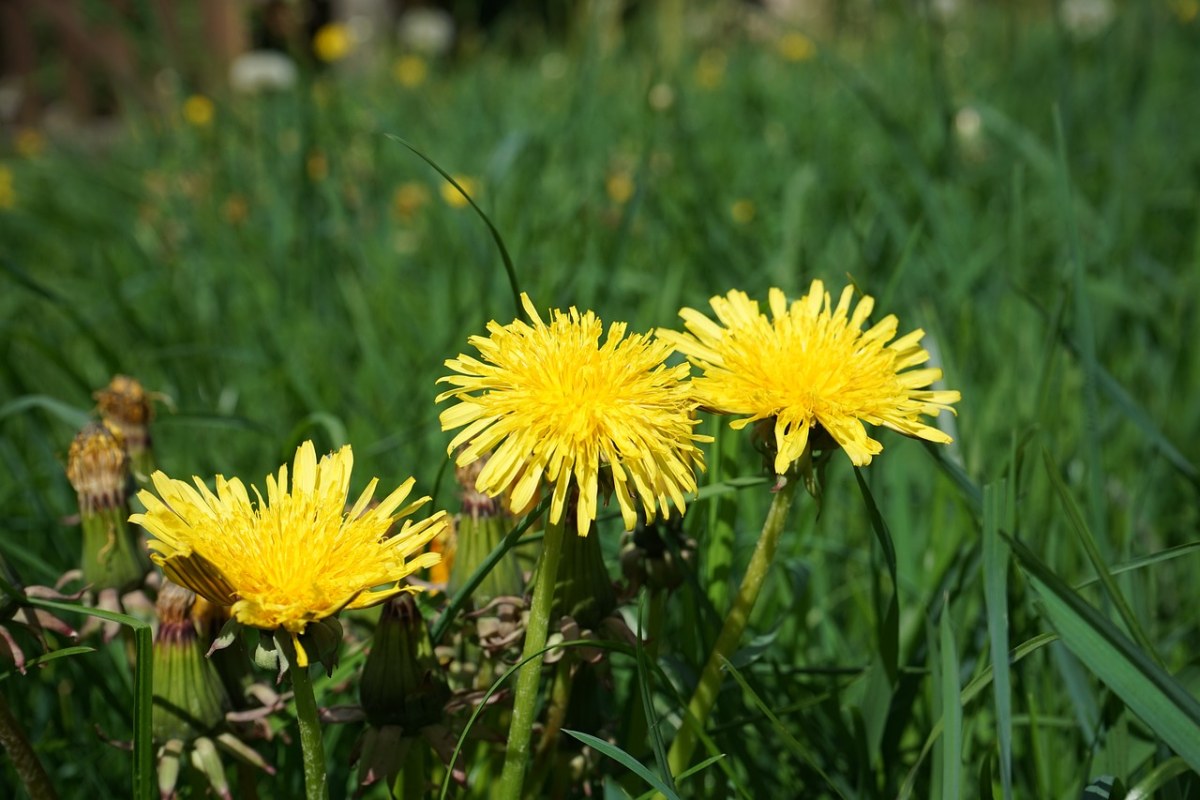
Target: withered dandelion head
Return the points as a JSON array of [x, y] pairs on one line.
[[811, 364], [559, 405], [296, 556]]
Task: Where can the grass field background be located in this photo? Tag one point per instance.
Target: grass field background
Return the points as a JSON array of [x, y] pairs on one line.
[[1027, 197]]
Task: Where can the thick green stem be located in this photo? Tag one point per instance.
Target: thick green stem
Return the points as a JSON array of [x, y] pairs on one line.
[[731, 633], [29, 769], [315, 785], [516, 756]]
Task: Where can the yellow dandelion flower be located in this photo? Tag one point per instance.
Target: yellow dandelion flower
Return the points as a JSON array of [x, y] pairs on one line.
[[811, 367], [743, 211], [557, 405], [332, 42], [316, 165], [29, 143], [410, 71], [620, 187], [796, 47], [453, 197], [199, 111], [8, 195], [296, 557], [408, 199], [710, 69]]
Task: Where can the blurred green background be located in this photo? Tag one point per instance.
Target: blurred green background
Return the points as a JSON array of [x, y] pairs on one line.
[[1021, 180]]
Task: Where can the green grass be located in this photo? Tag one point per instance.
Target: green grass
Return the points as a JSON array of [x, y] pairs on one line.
[[1054, 262]]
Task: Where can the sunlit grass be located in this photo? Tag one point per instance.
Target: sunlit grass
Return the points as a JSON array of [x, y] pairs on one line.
[[286, 271]]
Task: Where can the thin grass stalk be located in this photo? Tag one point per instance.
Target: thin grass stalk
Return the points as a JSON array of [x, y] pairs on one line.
[[516, 756], [705, 694]]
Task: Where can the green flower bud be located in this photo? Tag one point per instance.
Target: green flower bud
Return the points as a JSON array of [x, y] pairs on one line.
[[402, 681], [189, 698]]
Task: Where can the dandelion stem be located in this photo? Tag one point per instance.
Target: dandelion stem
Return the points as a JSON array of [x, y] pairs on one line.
[[516, 757], [315, 785], [731, 632]]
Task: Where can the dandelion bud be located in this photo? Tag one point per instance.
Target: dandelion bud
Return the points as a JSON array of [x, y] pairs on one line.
[[584, 590], [402, 681], [481, 527], [189, 698], [98, 468], [125, 406]]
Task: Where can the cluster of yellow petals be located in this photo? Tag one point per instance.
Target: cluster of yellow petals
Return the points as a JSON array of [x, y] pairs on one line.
[[294, 557], [557, 405], [809, 364]]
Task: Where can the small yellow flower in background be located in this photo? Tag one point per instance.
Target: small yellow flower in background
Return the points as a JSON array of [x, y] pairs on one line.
[[235, 209], [743, 211], [620, 187], [811, 365], [710, 69], [296, 556], [8, 195], [410, 71], [332, 42], [408, 199], [796, 47], [557, 405], [1185, 10], [317, 166], [453, 197], [199, 111], [29, 143]]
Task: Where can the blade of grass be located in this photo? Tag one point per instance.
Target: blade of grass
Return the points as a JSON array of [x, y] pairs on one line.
[[1146, 688], [624, 759], [144, 779], [1158, 777], [784, 733], [1090, 547], [995, 595], [969, 693], [1085, 335], [513, 283], [952, 710]]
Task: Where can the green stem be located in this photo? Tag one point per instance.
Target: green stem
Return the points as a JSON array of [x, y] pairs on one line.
[[731, 633], [315, 785], [28, 768], [516, 756]]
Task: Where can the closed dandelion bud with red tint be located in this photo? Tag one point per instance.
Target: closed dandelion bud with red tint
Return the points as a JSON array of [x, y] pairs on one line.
[[189, 698], [481, 528], [98, 468]]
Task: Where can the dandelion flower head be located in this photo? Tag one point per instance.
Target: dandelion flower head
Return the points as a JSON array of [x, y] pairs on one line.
[[557, 404], [812, 364], [296, 556]]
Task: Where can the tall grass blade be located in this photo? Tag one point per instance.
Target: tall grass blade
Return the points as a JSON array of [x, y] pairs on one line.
[[511, 270], [1146, 688], [1090, 547], [784, 733], [144, 779], [952, 711], [624, 759], [995, 595]]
